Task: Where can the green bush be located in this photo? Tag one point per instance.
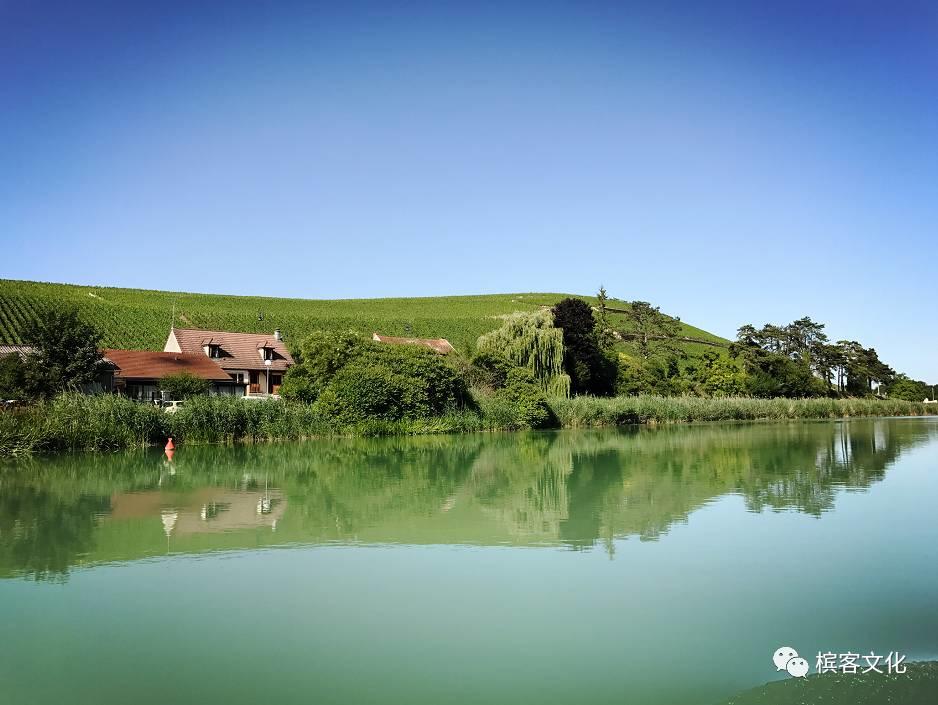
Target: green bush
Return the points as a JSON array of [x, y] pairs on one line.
[[12, 377], [489, 371], [372, 392], [521, 403], [392, 383], [318, 359], [184, 385]]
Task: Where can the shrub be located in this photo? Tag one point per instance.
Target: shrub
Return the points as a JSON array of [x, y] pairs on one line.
[[365, 392], [489, 371], [442, 388], [530, 340], [318, 359], [391, 383], [521, 403], [185, 385], [12, 377]]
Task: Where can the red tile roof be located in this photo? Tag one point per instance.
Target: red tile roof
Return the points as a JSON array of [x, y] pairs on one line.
[[239, 350], [146, 364], [440, 345]]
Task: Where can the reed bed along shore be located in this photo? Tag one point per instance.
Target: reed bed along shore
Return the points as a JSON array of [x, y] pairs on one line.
[[74, 422], [585, 412]]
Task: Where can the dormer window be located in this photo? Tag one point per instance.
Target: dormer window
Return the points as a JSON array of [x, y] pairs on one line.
[[213, 350], [266, 353]]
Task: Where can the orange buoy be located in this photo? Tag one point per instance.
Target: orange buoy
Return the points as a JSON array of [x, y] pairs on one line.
[[169, 444], [169, 452]]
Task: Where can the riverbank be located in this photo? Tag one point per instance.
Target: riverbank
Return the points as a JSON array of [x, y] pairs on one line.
[[73, 422]]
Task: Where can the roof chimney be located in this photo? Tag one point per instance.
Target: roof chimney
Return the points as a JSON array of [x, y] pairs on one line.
[[277, 335]]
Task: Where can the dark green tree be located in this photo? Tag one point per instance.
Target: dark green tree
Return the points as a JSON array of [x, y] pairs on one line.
[[591, 370], [605, 335], [65, 355], [902, 387], [771, 373], [655, 333], [318, 359], [12, 377]]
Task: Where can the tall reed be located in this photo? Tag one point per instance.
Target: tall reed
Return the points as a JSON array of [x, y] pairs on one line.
[[104, 423], [581, 412]]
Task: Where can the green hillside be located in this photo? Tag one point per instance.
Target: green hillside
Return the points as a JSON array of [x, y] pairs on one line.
[[140, 318]]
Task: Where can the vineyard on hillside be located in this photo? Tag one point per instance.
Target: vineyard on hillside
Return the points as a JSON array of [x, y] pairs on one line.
[[140, 319]]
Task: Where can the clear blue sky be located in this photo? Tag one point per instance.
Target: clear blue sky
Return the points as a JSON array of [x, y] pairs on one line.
[[731, 164]]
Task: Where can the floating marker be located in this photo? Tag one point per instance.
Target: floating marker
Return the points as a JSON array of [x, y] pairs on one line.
[[169, 444]]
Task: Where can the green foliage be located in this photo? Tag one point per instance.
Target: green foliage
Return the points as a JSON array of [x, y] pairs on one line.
[[79, 422], [775, 375], [605, 335], [910, 389], [184, 385], [655, 334], [319, 358], [12, 377], [790, 360], [489, 371], [521, 403], [352, 380], [225, 419], [580, 412], [530, 341], [140, 319], [65, 355], [712, 375], [361, 393], [591, 370]]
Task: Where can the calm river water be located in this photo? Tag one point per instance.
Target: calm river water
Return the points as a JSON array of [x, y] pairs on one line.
[[645, 566]]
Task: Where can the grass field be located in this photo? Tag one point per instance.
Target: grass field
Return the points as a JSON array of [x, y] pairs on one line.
[[140, 318]]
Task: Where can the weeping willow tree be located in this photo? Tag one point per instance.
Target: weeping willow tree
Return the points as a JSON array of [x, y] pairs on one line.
[[529, 339]]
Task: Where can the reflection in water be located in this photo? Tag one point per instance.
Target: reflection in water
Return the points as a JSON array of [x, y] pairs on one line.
[[577, 489]]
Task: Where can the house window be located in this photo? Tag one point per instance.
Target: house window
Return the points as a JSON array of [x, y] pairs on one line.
[[267, 353], [214, 351]]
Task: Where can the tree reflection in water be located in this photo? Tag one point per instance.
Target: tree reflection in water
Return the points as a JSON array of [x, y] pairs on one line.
[[568, 488]]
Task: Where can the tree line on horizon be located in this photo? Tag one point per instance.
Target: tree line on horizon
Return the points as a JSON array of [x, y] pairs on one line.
[[648, 356]]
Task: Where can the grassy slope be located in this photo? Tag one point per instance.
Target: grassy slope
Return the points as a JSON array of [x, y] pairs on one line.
[[140, 318]]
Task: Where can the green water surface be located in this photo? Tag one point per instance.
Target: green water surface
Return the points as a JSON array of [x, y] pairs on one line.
[[645, 566]]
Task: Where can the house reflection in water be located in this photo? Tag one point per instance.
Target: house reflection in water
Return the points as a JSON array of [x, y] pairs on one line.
[[206, 510]]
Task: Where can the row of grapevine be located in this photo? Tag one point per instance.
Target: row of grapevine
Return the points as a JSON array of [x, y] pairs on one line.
[[136, 318]]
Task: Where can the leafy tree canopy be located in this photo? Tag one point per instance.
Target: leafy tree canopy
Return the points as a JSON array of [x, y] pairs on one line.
[[529, 340], [591, 370], [66, 354], [655, 333], [12, 377]]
